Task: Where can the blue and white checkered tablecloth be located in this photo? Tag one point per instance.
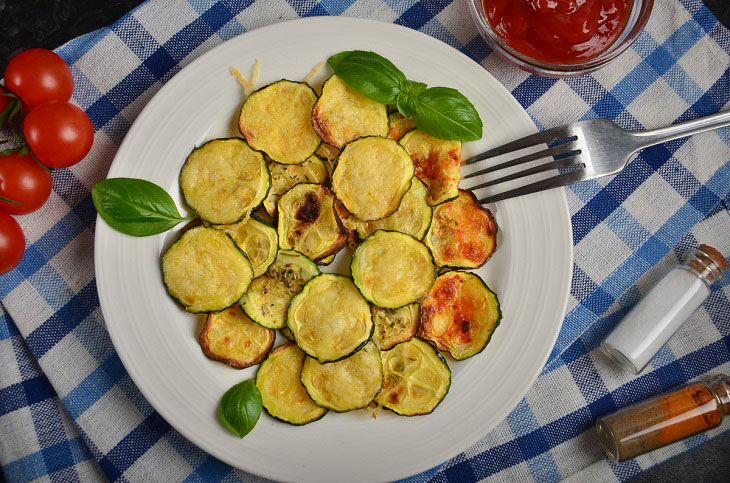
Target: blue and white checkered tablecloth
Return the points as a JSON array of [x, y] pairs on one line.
[[68, 409]]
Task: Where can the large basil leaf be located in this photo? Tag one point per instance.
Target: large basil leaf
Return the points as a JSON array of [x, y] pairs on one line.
[[135, 206], [445, 113], [370, 74], [240, 408]]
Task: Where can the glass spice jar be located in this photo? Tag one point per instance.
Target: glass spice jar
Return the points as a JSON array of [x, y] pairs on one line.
[[664, 419]]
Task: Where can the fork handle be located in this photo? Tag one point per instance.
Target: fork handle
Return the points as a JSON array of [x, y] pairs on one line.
[[657, 136]]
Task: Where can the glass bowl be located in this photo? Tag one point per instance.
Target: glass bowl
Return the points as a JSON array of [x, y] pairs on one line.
[[637, 20]]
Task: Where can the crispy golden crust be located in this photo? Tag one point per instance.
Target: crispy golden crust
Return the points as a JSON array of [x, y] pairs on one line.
[[399, 125], [232, 338], [437, 162]]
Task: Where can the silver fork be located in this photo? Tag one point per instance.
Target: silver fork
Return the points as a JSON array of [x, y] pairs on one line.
[[588, 149]]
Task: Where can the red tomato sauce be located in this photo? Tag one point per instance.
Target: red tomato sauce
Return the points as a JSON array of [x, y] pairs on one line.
[[558, 31]]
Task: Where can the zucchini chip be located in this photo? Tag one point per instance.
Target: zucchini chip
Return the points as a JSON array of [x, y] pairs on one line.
[[205, 270], [307, 221], [393, 326], [224, 179], [412, 218], [416, 378], [345, 385], [329, 156], [232, 338], [282, 393], [463, 234], [258, 241], [392, 269], [329, 318], [371, 177], [342, 114], [460, 314], [326, 261], [276, 119], [398, 125], [284, 176], [438, 164], [268, 297]]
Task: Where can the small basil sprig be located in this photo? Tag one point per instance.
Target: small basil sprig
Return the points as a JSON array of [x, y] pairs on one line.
[[135, 206], [441, 112], [240, 408]]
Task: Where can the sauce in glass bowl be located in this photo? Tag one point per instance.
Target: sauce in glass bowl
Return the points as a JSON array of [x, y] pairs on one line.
[[558, 31]]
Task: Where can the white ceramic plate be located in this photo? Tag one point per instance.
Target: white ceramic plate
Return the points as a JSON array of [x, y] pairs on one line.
[[157, 340]]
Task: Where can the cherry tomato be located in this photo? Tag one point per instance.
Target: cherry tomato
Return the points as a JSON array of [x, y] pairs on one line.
[[59, 134], [38, 76], [4, 101], [12, 243], [23, 180]]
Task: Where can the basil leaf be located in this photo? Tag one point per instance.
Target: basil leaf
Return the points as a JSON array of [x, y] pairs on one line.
[[444, 113], [407, 104], [135, 206], [240, 408], [370, 74]]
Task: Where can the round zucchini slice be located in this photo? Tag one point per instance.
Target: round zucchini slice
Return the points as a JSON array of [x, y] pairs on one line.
[[276, 119], [329, 156], [307, 221], [205, 270], [438, 164], [345, 385], [329, 318], [416, 378], [224, 180], [392, 269], [268, 297], [282, 393], [371, 177], [394, 326], [284, 176], [342, 114], [232, 338], [258, 241], [412, 218], [398, 125], [463, 234], [460, 314]]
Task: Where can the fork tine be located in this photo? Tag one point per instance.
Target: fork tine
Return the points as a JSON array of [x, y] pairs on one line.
[[545, 184], [559, 163], [567, 148], [542, 137]]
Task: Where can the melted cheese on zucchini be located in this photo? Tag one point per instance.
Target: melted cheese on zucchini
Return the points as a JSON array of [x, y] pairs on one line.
[[342, 114], [232, 338], [460, 314], [392, 269], [276, 119], [329, 319], [224, 179], [257, 240], [205, 270], [285, 176], [282, 393], [393, 326], [438, 164], [399, 125], [372, 176], [345, 385]]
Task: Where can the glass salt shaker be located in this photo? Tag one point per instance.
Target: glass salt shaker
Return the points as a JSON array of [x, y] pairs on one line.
[[660, 313]]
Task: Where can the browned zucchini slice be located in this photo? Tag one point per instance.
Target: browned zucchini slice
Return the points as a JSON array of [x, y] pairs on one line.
[[224, 179], [342, 114], [463, 234], [232, 338], [258, 241], [438, 164], [329, 156], [282, 393], [307, 221], [460, 314], [205, 270], [276, 119], [329, 318], [267, 299], [393, 326], [399, 125], [345, 385], [326, 261], [371, 177], [284, 176], [416, 378], [392, 269]]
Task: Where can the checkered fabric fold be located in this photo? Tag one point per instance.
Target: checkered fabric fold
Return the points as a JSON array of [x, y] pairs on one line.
[[68, 409]]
